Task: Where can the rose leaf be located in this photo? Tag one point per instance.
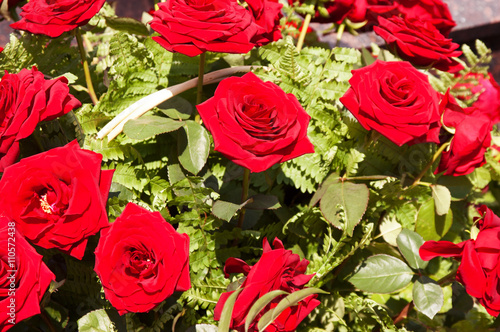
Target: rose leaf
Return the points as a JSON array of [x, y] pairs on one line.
[[442, 199], [381, 274], [96, 321], [150, 125], [428, 296], [193, 146], [431, 226], [345, 201], [409, 243]]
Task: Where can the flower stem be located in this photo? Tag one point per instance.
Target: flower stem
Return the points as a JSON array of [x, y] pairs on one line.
[[429, 164], [86, 70], [201, 72], [303, 32], [244, 195]]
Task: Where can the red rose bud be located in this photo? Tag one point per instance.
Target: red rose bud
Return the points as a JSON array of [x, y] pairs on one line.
[[396, 100], [141, 260], [26, 99], [277, 269], [57, 198], [256, 124], [53, 18], [419, 42], [24, 278], [479, 260], [471, 139], [196, 26], [435, 12]]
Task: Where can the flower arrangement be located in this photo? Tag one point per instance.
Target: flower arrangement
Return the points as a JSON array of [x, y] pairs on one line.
[[216, 168]]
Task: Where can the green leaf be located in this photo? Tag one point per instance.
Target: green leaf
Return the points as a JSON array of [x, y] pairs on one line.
[[351, 198], [193, 147], [480, 177], [263, 202], [95, 321], [381, 274], [409, 243], [460, 186], [150, 125], [260, 304], [431, 226], [227, 311], [289, 301], [428, 296], [442, 199], [367, 57], [225, 210], [127, 24], [390, 229], [177, 108]]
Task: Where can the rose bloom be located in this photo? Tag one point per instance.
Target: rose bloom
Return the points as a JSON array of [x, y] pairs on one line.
[[396, 100], [277, 269], [26, 99], [256, 124], [141, 260], [53, 18], [21, 291], [192, 27], [489, 98], [471, 139], [479, 268], [435, 12], [57, 198], [419, 42], [267, 15], [354, 10]]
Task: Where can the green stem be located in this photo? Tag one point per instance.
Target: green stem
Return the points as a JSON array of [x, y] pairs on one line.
[[201, 72], [429, 164], [340, 32], [303, 32], [244, 195], [86, 70]]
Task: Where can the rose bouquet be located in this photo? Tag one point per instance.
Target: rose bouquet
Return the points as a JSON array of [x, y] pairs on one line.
[[214, 168]]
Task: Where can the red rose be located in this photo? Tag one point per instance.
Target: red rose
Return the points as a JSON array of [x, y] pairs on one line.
[[141, 260], [57, 198], [24, 278], [471, 139], [480, 266], [277, 269], [26, 99], [53, 18], [337, 10], [396, 100], [355, 10], [192, 27], [419, 42], [267, 14], [489, 99], [255, 123], [370, 10], [435, 12]]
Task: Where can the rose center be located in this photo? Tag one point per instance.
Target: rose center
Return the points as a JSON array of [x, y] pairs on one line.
[[44, 205], [258, 120], [50, 204], [141, 263]]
